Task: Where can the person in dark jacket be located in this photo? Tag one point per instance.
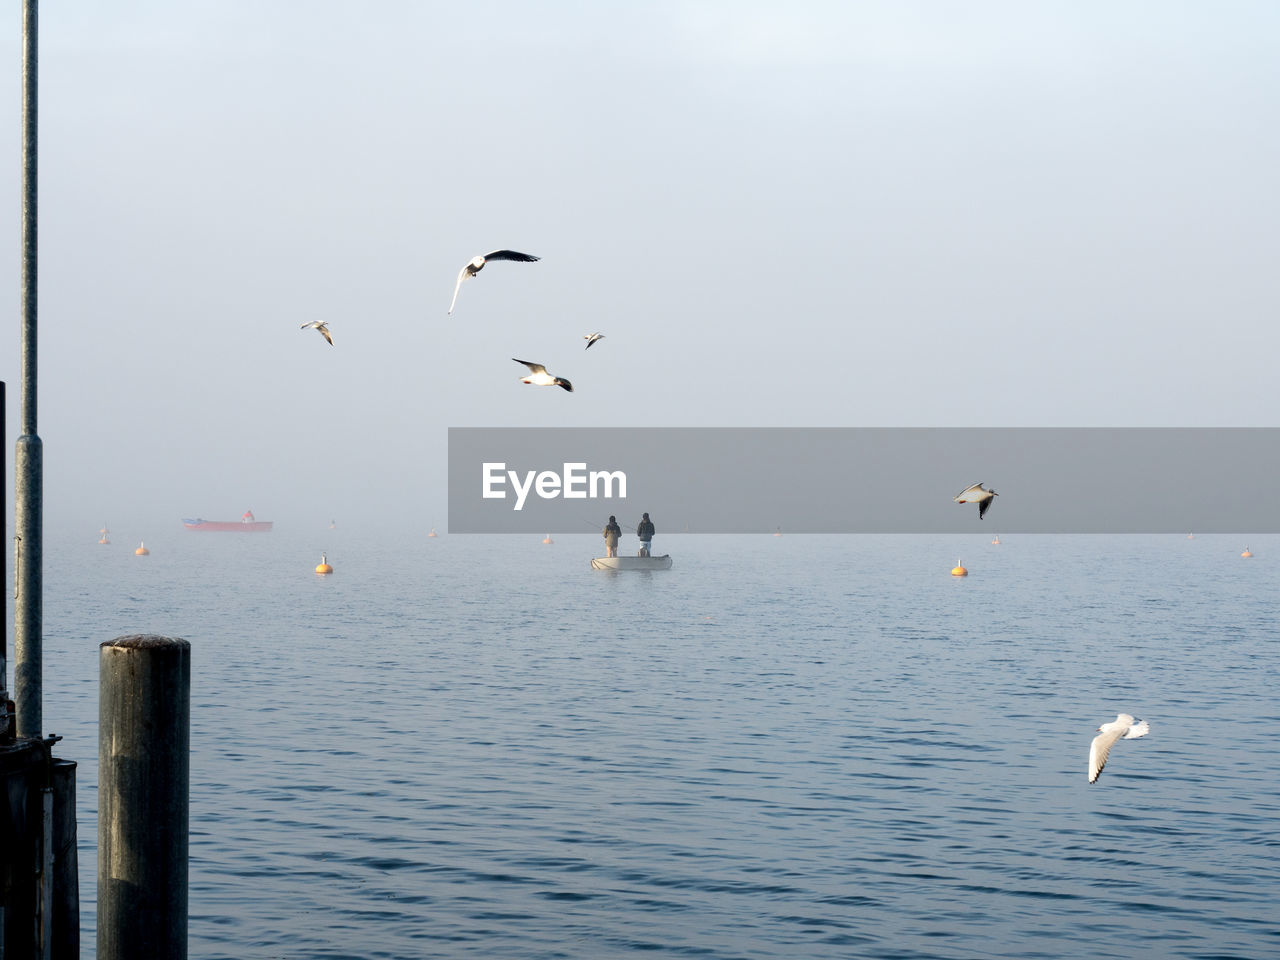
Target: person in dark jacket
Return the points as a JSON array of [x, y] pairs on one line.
[[644, 530], [612, 533]]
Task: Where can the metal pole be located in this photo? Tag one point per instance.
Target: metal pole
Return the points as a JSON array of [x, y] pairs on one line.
[[28, 579], [144, 724], [6, 717]]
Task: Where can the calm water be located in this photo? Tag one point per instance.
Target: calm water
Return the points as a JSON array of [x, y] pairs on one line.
[[784, 747]]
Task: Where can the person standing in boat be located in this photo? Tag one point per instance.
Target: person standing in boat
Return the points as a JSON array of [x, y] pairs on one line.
[[644, 530], [612, 533]]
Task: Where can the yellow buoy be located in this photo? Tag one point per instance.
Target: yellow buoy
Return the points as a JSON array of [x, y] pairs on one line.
[[547, 539], [323, 566], [1246, 553], [142, 550], [958, 570]]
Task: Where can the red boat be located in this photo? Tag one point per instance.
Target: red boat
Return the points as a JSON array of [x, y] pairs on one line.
[[245, 524]]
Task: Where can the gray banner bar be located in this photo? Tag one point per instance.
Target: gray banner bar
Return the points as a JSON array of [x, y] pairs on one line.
[[865, 480]]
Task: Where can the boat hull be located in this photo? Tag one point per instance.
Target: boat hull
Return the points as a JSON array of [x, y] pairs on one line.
[[228, 526], [632, 563]]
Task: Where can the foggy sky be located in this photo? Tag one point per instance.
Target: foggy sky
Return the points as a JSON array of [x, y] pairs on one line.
[[817, 214]]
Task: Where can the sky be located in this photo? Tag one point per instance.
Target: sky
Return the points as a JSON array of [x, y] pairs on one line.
[[804, 214]]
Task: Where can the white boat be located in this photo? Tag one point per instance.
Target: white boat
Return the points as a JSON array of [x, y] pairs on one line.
[[632, 563]]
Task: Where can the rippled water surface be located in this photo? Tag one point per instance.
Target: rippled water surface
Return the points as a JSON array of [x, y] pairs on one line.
[[782, 747]]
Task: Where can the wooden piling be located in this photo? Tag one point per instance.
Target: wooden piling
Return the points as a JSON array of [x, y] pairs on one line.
[[19, 763], [144, 724], [39, 883]]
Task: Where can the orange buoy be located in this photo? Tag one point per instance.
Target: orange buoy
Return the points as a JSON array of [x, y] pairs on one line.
[[958, 570], [142, 550], [1246, 553], [547, 539], [323, 566], [996, 541], [433, 533]]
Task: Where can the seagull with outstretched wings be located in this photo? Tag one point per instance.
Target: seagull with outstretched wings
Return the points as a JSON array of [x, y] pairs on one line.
[[976, 494], [321, 327], [1123, 727], [539, 377], [477, 264]]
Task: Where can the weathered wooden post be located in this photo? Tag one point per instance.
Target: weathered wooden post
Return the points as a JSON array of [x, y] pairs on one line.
[[39, 883], [144, 736]]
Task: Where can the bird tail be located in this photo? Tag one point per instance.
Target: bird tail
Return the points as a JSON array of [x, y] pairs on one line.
[[1139, 729]]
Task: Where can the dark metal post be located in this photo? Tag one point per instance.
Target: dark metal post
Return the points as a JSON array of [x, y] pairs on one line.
[[65, 910], [28, 566], [144, 722]]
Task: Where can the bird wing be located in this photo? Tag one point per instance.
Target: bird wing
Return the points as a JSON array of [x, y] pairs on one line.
[[1099, 749], [511, 255], [313, 323], [462, 275], [959, 497], [324, 330], [1139, 729], [533, 367], [982, 507]]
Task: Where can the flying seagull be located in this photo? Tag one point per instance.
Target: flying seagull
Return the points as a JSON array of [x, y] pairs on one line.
[[539, 377], [477, 264], [592, 338], [976, 494], [1123, 727], [322, 326]]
